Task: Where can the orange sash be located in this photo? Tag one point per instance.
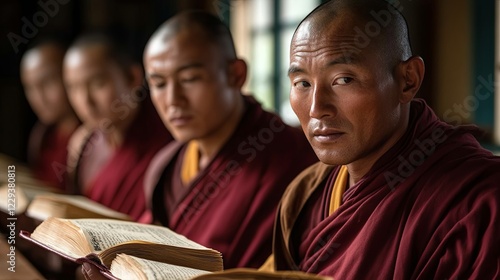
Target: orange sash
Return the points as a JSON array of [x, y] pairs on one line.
[[339, 188], [190, 163]]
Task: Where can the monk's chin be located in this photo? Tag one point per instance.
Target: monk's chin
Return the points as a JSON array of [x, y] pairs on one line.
[[181, 137], [327, 157]]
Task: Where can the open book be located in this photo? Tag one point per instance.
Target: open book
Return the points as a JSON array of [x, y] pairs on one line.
[[23, 174], [129, 250], [98, 241], [23, 195], [44, 206], [18, 186], [40, 203]]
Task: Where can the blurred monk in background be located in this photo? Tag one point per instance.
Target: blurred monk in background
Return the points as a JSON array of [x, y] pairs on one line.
[[220, 182], [121, 130], [41, 76]]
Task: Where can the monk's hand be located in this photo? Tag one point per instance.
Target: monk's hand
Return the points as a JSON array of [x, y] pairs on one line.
[[91, 272]]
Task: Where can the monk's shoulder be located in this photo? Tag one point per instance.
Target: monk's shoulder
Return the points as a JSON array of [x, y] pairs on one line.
[[465, 181], [472, 166], [306, 182]]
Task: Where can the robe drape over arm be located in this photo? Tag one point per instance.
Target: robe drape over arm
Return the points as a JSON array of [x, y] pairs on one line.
[[231, 204], [427, 209], [119, 183]]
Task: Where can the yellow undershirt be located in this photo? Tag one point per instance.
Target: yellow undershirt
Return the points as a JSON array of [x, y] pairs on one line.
[[339, 188], [190, 162]]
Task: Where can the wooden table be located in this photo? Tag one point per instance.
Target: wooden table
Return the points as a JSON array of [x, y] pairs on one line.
[[23, 268]]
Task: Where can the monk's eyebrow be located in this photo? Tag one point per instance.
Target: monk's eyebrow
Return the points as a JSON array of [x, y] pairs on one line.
[[343, 60], [294, 69], [153, 76], [339, 60]]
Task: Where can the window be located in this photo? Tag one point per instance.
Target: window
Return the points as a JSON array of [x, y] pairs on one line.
[[263, 30], [497, 76]]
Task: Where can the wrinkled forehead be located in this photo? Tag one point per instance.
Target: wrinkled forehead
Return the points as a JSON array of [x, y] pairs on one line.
[[347, 34], [338, 35], [323, 28]]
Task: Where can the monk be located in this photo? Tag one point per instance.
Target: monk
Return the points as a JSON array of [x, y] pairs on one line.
[[121, 129], [398, 193], [220, 181], [41, 76]]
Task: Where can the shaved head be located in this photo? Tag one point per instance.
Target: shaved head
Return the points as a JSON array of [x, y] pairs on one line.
[[376, 23], [352, 78], [205, 26], [192, 70], [49, 52], [109, 47]]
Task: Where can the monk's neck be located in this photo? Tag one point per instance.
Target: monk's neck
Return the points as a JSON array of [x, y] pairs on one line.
[[67, 125], [359, 168], [355, 173], [210, 145], [115, 134]]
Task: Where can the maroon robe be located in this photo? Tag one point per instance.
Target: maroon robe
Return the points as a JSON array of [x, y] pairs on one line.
[[427, 209], [47, 154], [118, 181], [230, 205]]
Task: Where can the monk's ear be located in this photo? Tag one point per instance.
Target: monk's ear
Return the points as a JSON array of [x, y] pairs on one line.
[[412, 75], [237, 73]]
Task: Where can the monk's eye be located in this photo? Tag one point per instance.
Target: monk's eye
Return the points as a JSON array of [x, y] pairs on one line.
[[302, 85], [343, 81], [190, 79], [158, 85]]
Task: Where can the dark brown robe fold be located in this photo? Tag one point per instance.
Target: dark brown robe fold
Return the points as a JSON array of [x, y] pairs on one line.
[[230, 205], [428, 209]]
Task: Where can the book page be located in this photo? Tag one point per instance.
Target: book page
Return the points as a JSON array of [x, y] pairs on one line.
[[123, 265], [62, 236], [105, 233], [24, 194], [75, 200]]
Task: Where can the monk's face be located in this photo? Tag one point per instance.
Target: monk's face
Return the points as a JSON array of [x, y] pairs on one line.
[[345, 96], [188, 79], [42, 81], [97, 87]]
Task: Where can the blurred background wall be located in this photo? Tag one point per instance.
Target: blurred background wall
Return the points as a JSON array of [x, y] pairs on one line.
[[455, 38]]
